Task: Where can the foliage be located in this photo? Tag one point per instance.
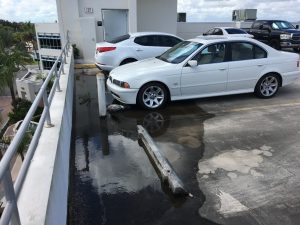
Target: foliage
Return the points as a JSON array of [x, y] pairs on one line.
[[13, 55], [20, 110]]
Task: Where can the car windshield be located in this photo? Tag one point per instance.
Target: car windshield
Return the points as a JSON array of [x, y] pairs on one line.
[[282, 25], [119, 39], [179, 52], [235, 31]]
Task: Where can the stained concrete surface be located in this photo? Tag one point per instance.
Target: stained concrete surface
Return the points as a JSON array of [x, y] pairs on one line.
[[238, 155]]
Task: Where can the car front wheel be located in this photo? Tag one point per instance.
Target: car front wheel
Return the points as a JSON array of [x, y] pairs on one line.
[[153, 96], [267, 86]]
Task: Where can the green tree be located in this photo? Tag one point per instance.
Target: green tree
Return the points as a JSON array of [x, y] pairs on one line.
[[13, 55]]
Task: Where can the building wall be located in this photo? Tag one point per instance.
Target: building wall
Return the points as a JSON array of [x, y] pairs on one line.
[[157, 15], [82, 26]]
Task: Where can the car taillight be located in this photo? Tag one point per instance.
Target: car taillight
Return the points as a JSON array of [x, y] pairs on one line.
[[105, 49], [298, 63]]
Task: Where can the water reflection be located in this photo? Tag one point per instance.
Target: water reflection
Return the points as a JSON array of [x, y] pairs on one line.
[[112, 180]]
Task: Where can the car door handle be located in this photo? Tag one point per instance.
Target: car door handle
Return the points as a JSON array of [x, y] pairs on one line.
[[259, 65], [222, 69], [139, 50]]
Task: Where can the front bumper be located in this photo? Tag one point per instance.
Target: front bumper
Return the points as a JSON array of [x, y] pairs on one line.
[[289, 44], [124, 95]]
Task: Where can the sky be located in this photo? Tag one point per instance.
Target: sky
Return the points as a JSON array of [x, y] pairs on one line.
[[197, 10]]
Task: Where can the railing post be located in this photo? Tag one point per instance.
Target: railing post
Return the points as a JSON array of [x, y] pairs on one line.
[[57, 77], [62, 64], [65, 55], [11, 197], [46, 107]]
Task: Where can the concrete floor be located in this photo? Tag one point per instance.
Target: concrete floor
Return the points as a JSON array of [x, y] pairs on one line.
[[238, 155]]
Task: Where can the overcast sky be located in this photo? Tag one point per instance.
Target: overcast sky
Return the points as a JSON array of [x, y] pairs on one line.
[[197, 10]]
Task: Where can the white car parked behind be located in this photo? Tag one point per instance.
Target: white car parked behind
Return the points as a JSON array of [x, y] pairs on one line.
[[228, 32], [203, 68], [132, 47]]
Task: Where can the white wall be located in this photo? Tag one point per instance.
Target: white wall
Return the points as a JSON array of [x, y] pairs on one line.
[[191, 30], [157, 15], [144, 15], [43, 198], [82, 26]]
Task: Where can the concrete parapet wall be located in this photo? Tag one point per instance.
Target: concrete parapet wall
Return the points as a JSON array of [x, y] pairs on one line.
[[44, 196]]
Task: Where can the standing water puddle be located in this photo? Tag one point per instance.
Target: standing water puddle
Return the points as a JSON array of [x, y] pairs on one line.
[[112, 181]]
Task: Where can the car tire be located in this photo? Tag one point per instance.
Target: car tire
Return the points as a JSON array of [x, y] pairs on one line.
[[126, 61], [153, 95], [296, 50], [275, 44], [267, 86]]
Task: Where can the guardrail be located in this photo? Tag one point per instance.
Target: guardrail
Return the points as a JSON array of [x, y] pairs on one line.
[[10, 214]]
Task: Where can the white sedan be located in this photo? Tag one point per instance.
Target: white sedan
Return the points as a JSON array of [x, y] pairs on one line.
[[228, 31], [203, 68], [132, 47]]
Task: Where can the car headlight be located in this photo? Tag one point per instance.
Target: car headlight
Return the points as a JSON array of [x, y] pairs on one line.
[[285, 36], [121, 83], [124, 85]]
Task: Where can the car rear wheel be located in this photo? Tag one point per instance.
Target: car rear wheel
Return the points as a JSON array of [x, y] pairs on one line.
[[267, 86], [153, 95]]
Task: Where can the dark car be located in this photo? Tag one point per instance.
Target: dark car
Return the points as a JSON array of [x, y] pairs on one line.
[[277, 33]]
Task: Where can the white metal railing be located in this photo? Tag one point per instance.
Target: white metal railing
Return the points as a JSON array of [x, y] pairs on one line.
[[10, 214]]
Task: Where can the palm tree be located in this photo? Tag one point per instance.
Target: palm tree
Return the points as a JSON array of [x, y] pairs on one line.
[[13, 55]]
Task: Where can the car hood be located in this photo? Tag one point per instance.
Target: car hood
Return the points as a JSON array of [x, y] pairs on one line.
[[140, 68]]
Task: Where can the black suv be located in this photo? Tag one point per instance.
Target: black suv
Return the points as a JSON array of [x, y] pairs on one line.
[[276, 33]]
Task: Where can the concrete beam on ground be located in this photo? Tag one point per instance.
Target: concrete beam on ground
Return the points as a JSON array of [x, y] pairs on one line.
[[166, 171]]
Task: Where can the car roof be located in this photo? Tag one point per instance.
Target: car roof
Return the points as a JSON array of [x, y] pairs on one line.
[[138, 34], [212, 39], [228, 28]]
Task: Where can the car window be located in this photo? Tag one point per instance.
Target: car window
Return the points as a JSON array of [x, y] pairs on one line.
[[256, 25], [147, 40], [246, 51], [282, 25], [211, 31], [167, 41], [211, 54], [218, 31], [120, 39], [180, 52], [259, 53], [235, 31]]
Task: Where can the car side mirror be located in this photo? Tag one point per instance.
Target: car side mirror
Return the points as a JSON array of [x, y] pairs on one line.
[[193, 63], [297, 26]]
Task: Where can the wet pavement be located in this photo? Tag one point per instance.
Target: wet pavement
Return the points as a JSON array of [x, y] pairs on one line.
[[237, 155]]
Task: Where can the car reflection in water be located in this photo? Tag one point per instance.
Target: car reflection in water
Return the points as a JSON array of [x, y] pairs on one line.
[[178, 131]]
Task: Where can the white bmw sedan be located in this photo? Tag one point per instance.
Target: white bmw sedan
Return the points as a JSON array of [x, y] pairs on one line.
[[132, 47], [203, 68]]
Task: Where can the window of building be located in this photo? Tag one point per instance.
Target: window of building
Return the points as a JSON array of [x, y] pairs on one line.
[[48, 62], [49, 40]]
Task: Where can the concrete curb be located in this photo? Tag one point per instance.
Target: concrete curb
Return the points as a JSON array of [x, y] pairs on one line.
[[165, 169], [85, 66]]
